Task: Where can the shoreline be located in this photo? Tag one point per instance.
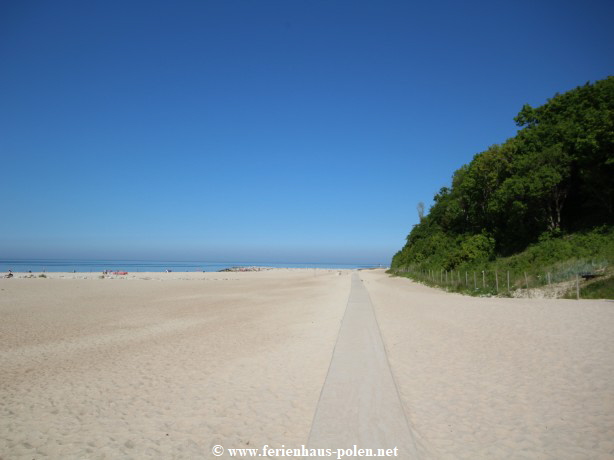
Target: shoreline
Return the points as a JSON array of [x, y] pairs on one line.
[[172, 275], [140, 266]]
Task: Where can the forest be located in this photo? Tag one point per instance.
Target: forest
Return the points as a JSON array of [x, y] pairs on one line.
[[552, 182]]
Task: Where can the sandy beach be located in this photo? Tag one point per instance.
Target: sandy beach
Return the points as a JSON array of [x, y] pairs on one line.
[[168, 365], [163, 365], [500, 378]]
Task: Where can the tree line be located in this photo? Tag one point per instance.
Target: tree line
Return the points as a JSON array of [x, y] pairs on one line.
[[555, 177]]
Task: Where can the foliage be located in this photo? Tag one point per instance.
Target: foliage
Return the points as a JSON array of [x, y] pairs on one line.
[[533, 192], [550, 260]]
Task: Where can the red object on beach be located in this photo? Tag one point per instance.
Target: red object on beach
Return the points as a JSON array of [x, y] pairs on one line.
[[120, 273]]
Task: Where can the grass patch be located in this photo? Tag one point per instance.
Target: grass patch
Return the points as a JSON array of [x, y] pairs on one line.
[[598, 289]]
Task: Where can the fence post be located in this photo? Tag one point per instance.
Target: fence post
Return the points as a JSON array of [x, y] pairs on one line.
[[508, 281], [577, 287], [466, 279], [497, 281], [475, 283], [483, 279], [526, 280]]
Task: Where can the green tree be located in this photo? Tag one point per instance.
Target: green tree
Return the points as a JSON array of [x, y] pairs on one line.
[[555, 176]]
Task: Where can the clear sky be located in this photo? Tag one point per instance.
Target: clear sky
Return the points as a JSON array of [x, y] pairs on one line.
[[281, 131]]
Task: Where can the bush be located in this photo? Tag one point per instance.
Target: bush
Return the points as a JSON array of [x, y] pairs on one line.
[[551, 260]]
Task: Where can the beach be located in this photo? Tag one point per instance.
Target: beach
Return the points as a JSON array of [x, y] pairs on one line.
[[169, 365], [494, 378], [163, 365]]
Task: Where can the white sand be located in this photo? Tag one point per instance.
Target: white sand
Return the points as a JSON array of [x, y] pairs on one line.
[[166, 367], [169, 366], [486, 378]]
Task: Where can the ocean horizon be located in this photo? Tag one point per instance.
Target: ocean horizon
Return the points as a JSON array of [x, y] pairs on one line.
[[99, 265]]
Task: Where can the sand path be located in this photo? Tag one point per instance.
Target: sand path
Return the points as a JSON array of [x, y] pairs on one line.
[[360, 403]]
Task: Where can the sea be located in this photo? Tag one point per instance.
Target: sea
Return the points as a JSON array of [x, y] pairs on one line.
[[92, 266]]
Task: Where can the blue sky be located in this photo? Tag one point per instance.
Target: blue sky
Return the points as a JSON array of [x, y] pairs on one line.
[[281, 131]]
